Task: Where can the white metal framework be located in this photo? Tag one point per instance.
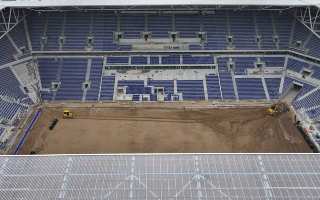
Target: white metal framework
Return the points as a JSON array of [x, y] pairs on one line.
[[165, 176], [9, 18], [310, 17], [50, 3]]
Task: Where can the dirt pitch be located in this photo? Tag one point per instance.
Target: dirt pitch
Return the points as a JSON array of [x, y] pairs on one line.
[[163, 129]]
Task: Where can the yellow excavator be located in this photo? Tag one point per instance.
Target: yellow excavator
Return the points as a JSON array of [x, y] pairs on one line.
[[277, 108], [67, 114]]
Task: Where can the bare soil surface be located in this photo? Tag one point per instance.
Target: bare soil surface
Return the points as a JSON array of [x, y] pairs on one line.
[[132, 129]]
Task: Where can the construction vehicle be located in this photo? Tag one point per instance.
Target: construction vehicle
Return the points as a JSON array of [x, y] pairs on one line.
[[277, 109], [67, 114]]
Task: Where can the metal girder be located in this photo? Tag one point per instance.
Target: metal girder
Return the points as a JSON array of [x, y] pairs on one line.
[[310, 17], [9, 18], [159, 8]]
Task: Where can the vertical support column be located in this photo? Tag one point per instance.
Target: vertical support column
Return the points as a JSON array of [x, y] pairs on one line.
[[58, 76], [45, 30], [293, 26], [215, 59], [62, 31], [284, 72], [37, 75], [265, 88], [104, 63], [175, 88], [306, 42], [14, 44], [87, 78], [205, 89], [115, 86], [235, 87], [256, 28], [274, 29], [26, 31]]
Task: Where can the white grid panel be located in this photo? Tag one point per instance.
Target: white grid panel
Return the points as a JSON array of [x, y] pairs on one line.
[[162, 176]]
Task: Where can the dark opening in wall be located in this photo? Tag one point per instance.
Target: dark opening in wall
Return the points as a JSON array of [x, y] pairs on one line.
[[296, 86], [174, 37], [298, 44], [146, 36], [26, 90], [258, 39], [202, 36], [118, 36], [306, 73], [259, 65], [230, 39]]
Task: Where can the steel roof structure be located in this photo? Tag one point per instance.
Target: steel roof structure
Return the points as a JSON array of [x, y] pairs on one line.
[[49, 3], [164, 176]]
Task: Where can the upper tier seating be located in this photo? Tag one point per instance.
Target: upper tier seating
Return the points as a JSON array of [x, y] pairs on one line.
[[243, 30], [55, 31], [283, 23], [101, 26], [265, 30]]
